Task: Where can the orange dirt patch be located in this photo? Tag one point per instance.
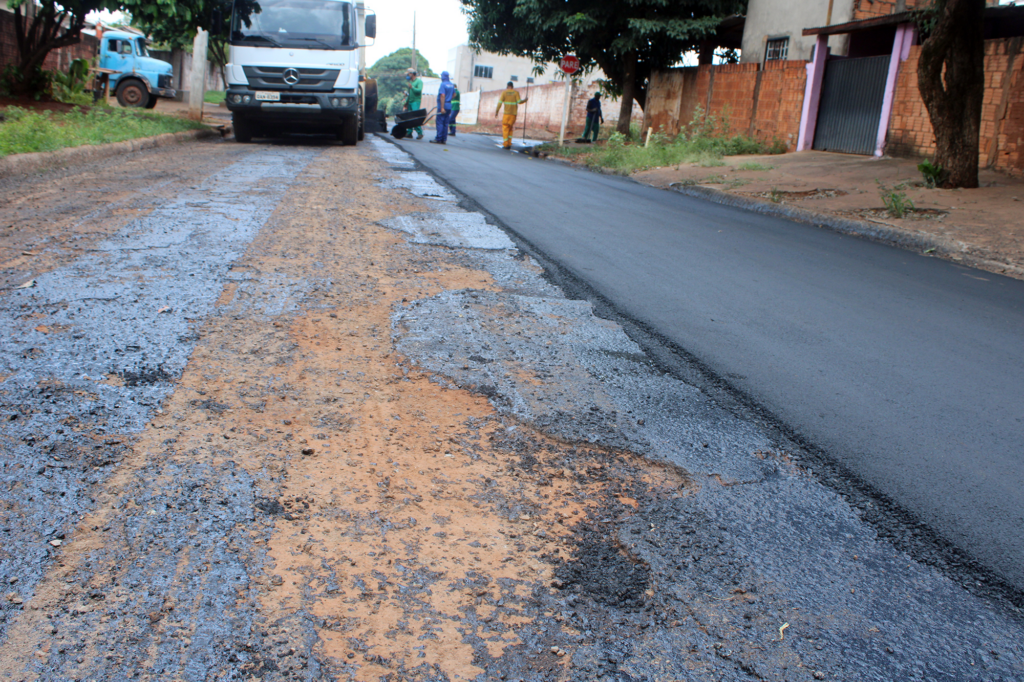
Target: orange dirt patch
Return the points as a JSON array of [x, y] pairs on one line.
[[410, 522]]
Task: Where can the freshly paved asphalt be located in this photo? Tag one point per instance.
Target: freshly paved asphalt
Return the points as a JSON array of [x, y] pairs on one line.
[[907, 370]]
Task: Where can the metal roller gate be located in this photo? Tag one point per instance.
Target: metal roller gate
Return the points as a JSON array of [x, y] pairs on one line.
[[851, 105]]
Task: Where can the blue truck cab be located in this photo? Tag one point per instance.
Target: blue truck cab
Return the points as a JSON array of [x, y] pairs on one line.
[[139, 80]]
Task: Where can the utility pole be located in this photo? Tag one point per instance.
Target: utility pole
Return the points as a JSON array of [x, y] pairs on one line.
[[414, 42]]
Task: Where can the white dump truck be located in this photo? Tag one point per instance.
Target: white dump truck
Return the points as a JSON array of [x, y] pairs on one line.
[[299, 66]]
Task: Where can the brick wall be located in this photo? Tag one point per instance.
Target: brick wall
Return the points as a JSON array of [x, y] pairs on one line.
[[761, 102], [1002, 113], [868, 9], [57, 60]]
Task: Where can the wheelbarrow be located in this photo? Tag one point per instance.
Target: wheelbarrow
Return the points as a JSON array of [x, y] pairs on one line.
[[408, 120]]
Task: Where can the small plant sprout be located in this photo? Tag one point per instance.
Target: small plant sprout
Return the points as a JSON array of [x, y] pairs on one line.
[[896, 202]]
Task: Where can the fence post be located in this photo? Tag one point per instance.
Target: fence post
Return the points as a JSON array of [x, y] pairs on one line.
[[197, 82]]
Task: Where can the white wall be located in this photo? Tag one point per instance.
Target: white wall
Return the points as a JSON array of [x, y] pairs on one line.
[[788, 18], [462, 62]]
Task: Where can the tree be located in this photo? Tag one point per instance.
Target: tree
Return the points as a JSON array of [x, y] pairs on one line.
[[627, 39], [174, 24], [390, 74], [39, 28], [951, 78]]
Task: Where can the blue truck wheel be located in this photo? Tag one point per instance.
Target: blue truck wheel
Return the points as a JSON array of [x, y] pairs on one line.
[[132, 93]]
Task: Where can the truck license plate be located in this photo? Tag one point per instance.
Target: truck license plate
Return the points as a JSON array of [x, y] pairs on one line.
[[268, 96]]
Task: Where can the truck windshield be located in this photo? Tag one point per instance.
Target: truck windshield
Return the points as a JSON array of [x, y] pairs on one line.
[[140, 46], [309, 24]]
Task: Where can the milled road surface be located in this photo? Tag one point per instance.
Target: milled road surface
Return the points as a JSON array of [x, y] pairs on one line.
[[292, 411], [904, 373]]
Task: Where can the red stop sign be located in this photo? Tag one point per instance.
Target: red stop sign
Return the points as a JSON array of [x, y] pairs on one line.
[[570, 64]]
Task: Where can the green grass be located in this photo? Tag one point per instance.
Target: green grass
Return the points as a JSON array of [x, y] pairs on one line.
[[754, 166], [214, 96], [26, 131], [624, 157]]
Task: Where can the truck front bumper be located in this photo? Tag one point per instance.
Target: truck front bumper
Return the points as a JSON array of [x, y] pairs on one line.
[[169, 93], [324, 107]]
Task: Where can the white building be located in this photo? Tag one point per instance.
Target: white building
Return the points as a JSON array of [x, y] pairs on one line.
[[472, 71]]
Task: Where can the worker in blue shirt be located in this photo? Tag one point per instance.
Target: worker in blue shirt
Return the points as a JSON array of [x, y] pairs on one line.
[[444, 108]]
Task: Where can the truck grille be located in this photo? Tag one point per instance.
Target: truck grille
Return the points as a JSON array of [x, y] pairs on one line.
[[272, 78], [164, 80]]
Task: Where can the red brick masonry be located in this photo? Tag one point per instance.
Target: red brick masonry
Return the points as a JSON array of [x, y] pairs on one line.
[[764, 102], [1002, 114]]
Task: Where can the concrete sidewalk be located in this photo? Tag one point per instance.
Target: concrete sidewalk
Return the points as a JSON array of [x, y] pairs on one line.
[[981, 227]]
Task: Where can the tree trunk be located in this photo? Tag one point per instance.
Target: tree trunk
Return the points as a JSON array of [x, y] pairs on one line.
[[36, 36], [951, 78], [628, 90]]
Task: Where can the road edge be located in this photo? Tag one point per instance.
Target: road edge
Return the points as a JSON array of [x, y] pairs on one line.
[[23, 164], [926, 244]]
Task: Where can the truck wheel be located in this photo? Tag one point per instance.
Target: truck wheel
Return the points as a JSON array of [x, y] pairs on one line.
[[132, 93], [151, 104], [362, 127], [243, 131], [348, 133]]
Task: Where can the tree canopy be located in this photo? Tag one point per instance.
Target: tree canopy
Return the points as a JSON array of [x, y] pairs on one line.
[[390, 74], [174, 23], [627, 39]]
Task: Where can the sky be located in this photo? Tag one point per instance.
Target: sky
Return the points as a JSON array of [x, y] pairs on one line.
[[440, 26]]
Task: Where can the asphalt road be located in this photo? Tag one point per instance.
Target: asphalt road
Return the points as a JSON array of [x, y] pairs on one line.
[[906, 370]]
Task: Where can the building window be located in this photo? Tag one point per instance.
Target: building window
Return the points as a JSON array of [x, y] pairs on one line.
[[514, 78], [778, 48], [529, 79], [483, 71]]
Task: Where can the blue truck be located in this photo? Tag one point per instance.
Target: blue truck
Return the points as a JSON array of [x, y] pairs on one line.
[[138, 79]]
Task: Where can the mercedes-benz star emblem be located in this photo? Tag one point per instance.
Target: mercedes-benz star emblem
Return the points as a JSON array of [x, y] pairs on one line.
[[291, 76]]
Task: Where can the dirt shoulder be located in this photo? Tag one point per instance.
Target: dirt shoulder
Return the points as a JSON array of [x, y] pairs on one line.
[[982, 226]]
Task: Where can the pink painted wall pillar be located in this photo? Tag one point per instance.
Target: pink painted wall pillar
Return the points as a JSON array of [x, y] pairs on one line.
[[900, 51], [812, 94]]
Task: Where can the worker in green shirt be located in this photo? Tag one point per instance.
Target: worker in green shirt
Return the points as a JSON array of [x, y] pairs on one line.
[[414, 96], [456, 105]]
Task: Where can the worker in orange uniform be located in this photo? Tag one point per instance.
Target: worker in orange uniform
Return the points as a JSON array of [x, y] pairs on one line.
[[510, 99]]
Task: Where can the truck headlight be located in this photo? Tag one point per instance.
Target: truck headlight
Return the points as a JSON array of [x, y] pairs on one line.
[[246, 98], [335, 102], [236, 98]]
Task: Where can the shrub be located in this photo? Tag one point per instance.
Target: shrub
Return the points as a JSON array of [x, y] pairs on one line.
[[704, 141], [934, 175], [69, 87]]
